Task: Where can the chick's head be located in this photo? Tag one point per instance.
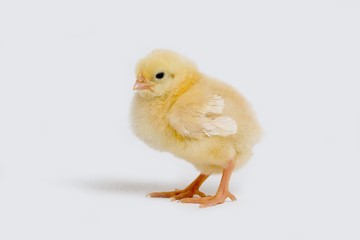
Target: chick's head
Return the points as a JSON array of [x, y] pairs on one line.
[[162, 72]]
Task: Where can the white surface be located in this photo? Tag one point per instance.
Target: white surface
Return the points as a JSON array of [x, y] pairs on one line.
[[70, 168]]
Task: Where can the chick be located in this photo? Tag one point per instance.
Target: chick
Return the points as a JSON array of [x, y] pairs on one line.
[[195, 117]]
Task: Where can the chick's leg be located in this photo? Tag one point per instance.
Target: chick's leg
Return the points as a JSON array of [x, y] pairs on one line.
[[222, 192], [189, 191]]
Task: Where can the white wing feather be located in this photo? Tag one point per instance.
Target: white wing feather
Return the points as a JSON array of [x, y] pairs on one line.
[[208, 121], [216, 105], [220, 126]]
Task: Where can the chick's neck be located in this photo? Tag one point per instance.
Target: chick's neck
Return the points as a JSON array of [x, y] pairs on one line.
[[184, 86]]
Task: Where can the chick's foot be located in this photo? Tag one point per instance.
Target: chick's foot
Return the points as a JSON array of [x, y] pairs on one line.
[[210, 200], [188, 192], [177, 194]]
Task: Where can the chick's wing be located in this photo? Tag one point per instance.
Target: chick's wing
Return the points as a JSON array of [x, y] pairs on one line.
[[201, 119]]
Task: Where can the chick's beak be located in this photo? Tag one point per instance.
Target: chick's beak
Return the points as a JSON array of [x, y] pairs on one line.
[[141, 84]]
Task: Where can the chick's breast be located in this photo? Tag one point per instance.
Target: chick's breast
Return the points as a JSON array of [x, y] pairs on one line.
[[149, 122]]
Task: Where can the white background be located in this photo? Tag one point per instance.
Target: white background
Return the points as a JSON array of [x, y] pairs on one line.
[[70, 167]]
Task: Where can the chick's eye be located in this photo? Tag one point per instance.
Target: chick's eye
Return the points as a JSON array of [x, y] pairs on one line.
[[159, 75]]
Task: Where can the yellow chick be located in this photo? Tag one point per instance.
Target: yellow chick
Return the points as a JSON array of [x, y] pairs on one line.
[[195, 117]]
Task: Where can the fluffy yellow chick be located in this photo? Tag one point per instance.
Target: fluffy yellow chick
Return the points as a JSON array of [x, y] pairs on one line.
[[195, 117]]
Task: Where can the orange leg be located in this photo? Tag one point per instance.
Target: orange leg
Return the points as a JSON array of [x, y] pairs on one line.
[[189, 191], [221, 194]]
